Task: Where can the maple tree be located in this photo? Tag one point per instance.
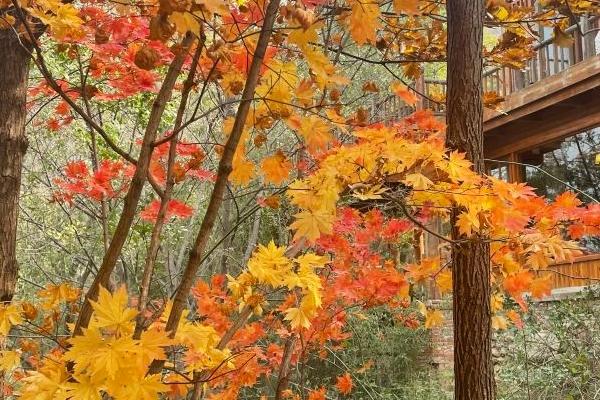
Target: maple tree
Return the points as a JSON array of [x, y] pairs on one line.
[[237, 96]]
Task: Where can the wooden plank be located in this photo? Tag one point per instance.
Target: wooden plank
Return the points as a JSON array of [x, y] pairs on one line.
[[582, 272]]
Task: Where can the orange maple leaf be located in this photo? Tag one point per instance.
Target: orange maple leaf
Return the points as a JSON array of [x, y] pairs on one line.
[[344, 384], [515, 318], [318, 394], [518, 283], [541, 287], [276, 168], [567, 200], [409, 7], [402, 91]]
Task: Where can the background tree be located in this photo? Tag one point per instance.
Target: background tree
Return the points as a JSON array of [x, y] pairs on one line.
[[14, 71]]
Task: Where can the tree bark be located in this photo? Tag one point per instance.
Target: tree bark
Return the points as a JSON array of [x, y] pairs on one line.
[[473, 369], [14, 71]]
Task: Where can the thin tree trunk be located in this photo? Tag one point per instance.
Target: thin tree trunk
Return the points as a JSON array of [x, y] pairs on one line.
[[14, 71], [283, 379], [473, 369], [135, 189], [253, 236], [164, 202], [225, 167]]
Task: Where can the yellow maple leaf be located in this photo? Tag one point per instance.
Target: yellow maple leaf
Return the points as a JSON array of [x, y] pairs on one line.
[[9, 360], [497, 302], [297, 317], [499, 323], [501, 13], [314, 130], [323, 69], [363, 21], [84, 387], [311, 260], [63, 18], [269, 265], [111, 311], [48, 382], [53, 295], [443, 281], [508, 264], [140, 388], [10, 315], [243, 171], [468, 221], [433, 318], [303, 37], [276, 88], [276, 168], [112, 357], [103, 357], [418, 181], [311, 224], [457, 166], [152, 343]]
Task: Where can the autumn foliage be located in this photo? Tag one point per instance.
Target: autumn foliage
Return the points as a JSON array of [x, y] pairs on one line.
[[354, 188]]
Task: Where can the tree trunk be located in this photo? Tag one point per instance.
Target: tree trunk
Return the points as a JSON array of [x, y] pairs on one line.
[[14, 70], [473, 369]]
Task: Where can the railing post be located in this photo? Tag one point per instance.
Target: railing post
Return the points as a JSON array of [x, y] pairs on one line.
[[541, 53], [421, 87], [589, 45]]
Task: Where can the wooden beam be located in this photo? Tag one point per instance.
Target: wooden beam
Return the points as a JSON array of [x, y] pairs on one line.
[[545, 126]]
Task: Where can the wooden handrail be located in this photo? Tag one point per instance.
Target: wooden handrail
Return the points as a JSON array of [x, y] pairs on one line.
[[502, 79]]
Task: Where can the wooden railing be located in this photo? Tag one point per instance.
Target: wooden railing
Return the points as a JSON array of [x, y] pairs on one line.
[[388, 109], [550, 59]]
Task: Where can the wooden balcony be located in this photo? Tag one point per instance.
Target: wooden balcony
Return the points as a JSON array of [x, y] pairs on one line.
[[550, 109]]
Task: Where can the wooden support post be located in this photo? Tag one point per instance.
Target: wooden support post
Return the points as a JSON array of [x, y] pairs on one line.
[[515, 171]]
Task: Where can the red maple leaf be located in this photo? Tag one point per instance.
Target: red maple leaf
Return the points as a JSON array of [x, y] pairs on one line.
[[76, 170], [175, 208]]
